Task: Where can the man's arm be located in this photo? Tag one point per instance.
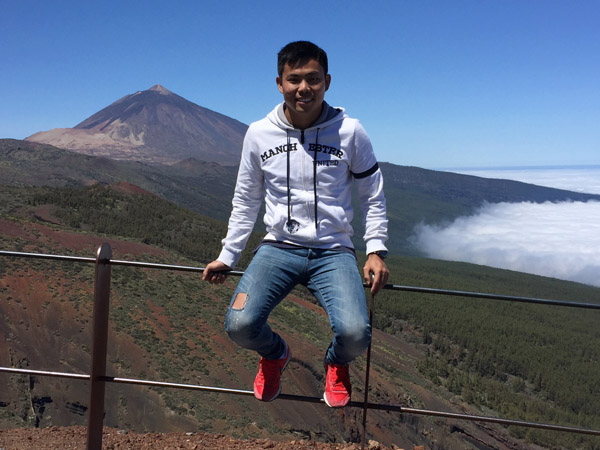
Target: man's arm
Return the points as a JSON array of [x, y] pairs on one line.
[[247, 199], [369, 180]]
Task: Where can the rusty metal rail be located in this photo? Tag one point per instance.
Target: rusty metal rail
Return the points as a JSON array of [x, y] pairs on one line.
[[98, 377]]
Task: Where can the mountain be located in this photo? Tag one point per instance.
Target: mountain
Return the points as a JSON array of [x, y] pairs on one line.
[[153, 126]]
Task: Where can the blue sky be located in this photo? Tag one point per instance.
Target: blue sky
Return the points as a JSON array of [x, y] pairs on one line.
[[437, 84]]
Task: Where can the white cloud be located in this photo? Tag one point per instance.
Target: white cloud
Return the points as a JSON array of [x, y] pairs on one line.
[[559, 240]]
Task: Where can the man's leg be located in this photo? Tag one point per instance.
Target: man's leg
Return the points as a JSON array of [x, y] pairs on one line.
[[267, 280], [337, 284]]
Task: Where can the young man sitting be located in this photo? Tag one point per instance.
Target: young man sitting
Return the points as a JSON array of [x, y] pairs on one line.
[[301, 160]]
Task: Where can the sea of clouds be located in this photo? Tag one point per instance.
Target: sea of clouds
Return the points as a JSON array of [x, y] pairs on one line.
[[559, 240]]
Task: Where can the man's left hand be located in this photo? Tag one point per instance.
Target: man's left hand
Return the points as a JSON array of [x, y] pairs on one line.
[[375, 265]]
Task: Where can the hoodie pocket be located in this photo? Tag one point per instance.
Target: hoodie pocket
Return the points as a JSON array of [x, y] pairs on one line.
[[275, 217], [333, 220]]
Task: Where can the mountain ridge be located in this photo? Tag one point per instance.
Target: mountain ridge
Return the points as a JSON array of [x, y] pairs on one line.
[[413, 194]]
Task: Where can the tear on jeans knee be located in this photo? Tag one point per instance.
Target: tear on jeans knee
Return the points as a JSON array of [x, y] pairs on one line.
[[240, 301]]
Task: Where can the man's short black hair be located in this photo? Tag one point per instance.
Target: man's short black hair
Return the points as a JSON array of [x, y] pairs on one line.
[[300, 51]]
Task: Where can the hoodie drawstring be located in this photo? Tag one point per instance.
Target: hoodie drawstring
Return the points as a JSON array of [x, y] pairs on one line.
[[315, 177], [291, 224]]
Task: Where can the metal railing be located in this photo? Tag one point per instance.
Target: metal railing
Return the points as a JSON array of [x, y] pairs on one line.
[[98, 377]]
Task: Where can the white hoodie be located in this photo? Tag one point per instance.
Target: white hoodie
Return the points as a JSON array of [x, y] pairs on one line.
[[315, 211]]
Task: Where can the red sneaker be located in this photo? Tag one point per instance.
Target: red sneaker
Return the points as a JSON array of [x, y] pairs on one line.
[[337, 386], [267, 384]]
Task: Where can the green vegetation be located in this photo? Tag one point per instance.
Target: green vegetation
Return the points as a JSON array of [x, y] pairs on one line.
[[144, 217], [524, 361]]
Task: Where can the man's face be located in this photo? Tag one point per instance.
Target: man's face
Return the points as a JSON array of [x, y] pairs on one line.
[[303, 88]]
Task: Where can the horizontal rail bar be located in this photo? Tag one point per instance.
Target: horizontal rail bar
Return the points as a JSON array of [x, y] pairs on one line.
[[392, 287], [46, 256], [168, 266], [309, 399], [44, 373], [519, 423], [117, 262], [193, 387], [542, 301], [354, 404]]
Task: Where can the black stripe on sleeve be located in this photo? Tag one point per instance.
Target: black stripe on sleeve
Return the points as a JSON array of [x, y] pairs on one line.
[[366, 173]]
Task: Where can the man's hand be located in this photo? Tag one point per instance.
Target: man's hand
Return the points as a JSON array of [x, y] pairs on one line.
[[214, 272], [376, 266]]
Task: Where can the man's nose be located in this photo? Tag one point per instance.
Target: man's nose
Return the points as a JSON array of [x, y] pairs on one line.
[[304, 86]]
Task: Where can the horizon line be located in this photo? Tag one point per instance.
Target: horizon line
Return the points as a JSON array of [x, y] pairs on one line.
[[523, 167]]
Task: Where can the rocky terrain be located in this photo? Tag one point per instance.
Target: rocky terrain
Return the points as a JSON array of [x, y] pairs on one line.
[[67, 438]]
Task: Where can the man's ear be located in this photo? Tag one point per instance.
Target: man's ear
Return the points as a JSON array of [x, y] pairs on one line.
[[327, 81], [279, 85]]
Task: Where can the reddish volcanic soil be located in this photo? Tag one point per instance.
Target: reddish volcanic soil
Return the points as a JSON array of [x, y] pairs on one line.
[[75, 438]]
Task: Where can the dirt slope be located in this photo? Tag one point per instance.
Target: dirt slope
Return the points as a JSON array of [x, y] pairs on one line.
[[66, 438]]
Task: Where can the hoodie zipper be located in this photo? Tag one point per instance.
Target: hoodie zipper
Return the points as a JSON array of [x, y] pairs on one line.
[[290, 222]]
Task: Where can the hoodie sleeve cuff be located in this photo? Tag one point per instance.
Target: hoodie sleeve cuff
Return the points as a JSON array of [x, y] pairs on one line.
[[229, 258], [376, 245]]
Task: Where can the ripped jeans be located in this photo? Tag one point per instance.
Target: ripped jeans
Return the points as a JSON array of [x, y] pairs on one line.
[[332, 277]]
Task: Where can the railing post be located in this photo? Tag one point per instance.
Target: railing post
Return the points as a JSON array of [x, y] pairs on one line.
[[99, 345]]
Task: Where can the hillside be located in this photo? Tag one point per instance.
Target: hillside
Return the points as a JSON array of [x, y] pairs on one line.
[[168, 326], [413, 195], [440, 354], [203, 187]]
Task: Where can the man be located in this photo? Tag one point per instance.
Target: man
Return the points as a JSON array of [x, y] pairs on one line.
[[301, 160]]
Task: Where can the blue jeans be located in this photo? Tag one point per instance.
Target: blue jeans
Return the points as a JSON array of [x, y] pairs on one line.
[[333, 278]]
